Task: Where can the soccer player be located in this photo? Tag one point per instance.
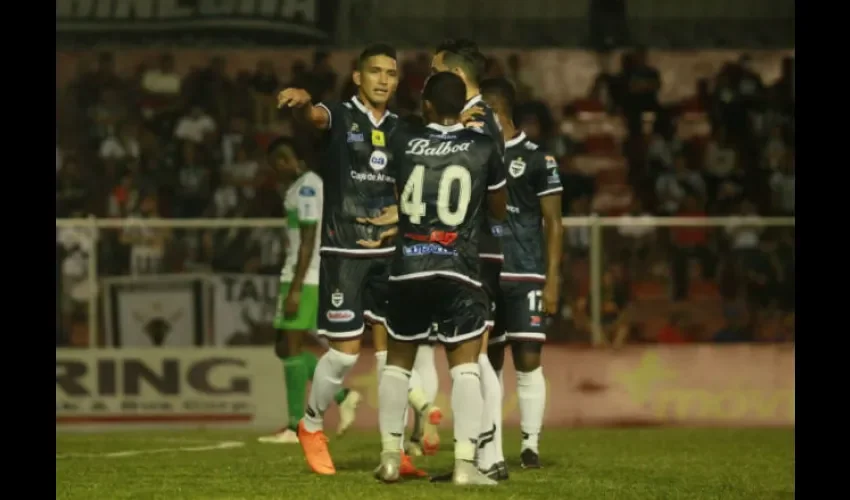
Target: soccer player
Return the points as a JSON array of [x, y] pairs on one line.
[[445, 176], [463, 58], [298, 301], [530, 279], [354, 269]]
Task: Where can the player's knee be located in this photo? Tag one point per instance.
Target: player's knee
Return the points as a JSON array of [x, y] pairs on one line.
[[463, 352], [526, 354], [401, 354], [342, 362]]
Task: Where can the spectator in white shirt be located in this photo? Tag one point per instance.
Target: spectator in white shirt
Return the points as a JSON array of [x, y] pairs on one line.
[[163, 80], [122, 146], [742, 233], [242, 172], [672, 187], [233, 138], [160, 87], [636, 239], [719, 163], [783, 188], [195, 127], [147, 245]]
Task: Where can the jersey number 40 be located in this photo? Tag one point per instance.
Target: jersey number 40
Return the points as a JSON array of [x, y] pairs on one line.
[[411, 197]]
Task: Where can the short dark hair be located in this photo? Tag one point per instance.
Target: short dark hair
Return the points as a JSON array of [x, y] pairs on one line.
[[463, 53], [446, 92], [300, 145], [502, 89], [376, 49]]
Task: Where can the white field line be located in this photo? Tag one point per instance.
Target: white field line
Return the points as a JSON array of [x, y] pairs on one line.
[[223, 445]]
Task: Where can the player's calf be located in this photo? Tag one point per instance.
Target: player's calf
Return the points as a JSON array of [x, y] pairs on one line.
[[531, 391]]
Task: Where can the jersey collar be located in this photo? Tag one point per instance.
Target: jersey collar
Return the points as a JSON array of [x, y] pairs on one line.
[[445, 129], [472, 101], [516, 140], [362, 107]]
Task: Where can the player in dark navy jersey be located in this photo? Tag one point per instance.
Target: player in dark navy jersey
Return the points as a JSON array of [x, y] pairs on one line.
[[354, 255], [463, 58], [530, 280], [448, 179]]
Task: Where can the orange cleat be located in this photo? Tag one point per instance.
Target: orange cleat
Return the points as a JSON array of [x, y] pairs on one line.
[[407, 469], [315, 446]]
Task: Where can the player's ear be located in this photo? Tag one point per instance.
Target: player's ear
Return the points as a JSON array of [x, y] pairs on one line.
[[355, 76]]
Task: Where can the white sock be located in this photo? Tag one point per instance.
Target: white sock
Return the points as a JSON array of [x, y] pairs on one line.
[[427, 369], [327, 381], [531, 390], [488, 451], [412, 392], [467, 406], [392, 402], [380, 363]]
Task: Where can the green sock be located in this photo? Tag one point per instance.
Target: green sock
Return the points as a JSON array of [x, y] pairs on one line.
[[310, 360], [295, 373]]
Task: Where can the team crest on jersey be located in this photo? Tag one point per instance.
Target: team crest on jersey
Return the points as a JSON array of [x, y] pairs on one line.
[[378, 138], [337, 298], [378, 160], [516, 168], [354, 134]]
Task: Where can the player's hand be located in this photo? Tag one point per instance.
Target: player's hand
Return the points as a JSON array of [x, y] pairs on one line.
[[550, 298], [290, 305], [389, 215], [384, 236], [472, 114], [293, 98]]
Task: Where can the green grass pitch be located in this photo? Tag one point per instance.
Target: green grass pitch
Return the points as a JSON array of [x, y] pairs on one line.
[[593, 464]]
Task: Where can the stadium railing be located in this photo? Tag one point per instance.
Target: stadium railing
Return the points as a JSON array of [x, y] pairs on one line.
[[596, 224]]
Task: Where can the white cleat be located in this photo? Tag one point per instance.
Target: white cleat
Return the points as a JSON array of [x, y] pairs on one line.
[[285, 436], [348, 411], [390, 469], [467, 474]]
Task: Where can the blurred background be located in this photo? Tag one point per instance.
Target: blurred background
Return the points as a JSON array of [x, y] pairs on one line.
[[673, 122]]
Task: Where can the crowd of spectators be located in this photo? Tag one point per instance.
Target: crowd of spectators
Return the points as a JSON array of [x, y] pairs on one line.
[[163, 143]]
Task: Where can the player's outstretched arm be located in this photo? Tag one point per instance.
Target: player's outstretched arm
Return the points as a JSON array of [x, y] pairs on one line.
[[301, 101]]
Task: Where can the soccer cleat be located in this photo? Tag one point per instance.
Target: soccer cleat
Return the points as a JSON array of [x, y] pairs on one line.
[[466, 473], [407, 469], [414, 449], [283, 436], [529, 459], [432, 417], [315, 446], [442, 478], [348, 411], [497, 472], [390, 469]]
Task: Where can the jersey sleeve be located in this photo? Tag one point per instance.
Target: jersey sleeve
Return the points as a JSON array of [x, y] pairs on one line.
[[333, 108], [546, 178], [495, 169], [309, 201]]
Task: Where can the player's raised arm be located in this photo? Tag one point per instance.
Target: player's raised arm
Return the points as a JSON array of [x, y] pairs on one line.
[[497, 195], [302, 103]]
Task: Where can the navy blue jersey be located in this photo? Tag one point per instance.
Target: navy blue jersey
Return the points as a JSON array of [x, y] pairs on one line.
[[353, 161], [532, 173], [488, 124], [443, 174]]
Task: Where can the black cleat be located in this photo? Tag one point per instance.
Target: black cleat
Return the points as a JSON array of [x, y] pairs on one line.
[[442, 478], [529, 459], [498, 472]]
